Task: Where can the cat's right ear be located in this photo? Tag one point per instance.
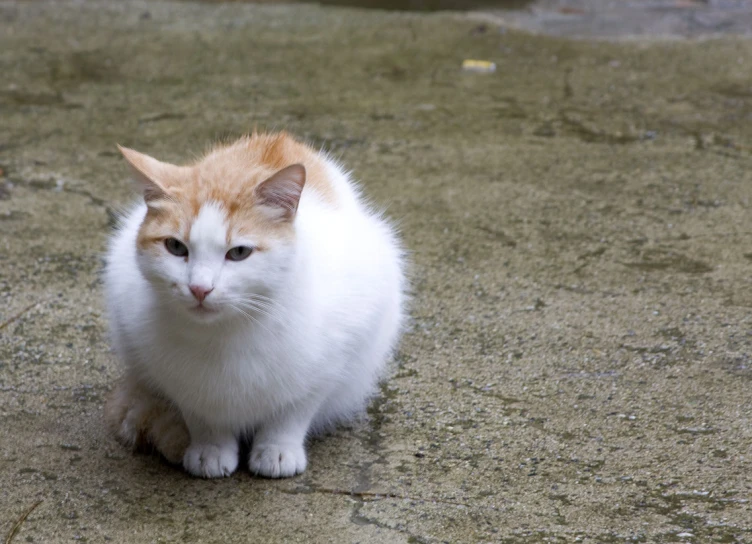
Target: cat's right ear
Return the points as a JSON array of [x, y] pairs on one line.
[[148, 172]]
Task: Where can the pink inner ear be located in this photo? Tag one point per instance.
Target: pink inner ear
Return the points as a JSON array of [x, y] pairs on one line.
[[282, 190]]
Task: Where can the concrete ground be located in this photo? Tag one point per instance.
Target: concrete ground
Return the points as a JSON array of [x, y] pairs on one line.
[[578, 363], [630, 19]]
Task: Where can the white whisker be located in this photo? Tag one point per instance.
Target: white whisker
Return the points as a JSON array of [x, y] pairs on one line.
[[250, 317], [250, 306]]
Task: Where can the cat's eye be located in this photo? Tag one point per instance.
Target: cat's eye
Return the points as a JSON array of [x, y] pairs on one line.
[[176, 247], [239, 253]]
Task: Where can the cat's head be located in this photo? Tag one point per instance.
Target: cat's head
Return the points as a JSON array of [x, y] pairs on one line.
[[218, 236]]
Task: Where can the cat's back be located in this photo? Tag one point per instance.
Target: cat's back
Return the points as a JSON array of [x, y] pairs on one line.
[[354, 244], [352, 240]]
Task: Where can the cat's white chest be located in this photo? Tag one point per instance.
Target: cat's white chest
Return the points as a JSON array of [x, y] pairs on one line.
[[226, 383]]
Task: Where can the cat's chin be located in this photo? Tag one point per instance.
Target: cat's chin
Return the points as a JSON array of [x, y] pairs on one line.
[[204, 314]]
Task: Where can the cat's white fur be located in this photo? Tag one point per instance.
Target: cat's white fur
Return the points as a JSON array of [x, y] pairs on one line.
[[307, 354]]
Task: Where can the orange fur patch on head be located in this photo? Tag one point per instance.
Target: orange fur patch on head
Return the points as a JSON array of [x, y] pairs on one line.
[[228, 175], [235, 169], [170, 219]]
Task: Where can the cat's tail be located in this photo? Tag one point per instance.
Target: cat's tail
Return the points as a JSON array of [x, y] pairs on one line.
[[142, 420]]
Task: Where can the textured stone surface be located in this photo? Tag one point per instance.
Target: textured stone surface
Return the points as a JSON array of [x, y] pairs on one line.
[[628, 19], [578, 363]]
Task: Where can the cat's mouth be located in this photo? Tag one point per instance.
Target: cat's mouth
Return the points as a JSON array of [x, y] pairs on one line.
[[203, 310]]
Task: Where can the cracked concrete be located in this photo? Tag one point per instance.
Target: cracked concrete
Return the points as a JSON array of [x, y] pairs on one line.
[[578, 362]]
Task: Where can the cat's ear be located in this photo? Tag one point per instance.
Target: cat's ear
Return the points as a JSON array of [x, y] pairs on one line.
[[279, 195], [149, 173]]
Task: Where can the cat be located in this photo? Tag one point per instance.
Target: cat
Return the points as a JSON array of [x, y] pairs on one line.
[[252, 293]]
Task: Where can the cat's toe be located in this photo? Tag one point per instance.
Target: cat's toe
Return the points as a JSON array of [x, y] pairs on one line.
[[211, 460], [277, 461]]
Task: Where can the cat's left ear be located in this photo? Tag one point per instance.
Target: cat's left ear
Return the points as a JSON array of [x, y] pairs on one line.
[[279, 195], [153, 176]]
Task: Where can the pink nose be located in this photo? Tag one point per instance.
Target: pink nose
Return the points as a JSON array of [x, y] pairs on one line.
[[200, 292]]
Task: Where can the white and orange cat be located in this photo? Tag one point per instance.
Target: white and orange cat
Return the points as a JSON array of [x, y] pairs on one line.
[[251, 294]]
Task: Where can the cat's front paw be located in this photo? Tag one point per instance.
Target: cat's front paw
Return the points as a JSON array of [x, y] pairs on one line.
[[211, 460], [277, 460]]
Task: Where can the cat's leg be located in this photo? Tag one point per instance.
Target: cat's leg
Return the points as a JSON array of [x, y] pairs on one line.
[[278, 449], [213, 453], [139, 418]]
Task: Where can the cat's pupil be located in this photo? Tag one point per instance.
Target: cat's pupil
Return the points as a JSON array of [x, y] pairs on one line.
[[176, 247], [239, 253]]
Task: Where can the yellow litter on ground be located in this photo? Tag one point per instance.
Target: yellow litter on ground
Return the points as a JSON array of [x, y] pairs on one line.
[[482, 66]]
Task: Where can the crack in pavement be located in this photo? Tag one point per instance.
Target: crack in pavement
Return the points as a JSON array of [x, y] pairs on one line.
[[20, 314], [366, 496]]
